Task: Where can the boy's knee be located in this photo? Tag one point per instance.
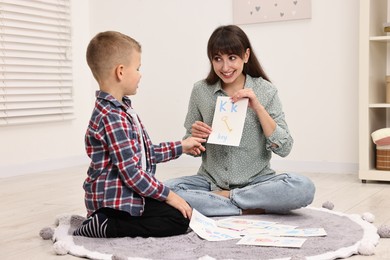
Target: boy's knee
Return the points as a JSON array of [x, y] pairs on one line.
[[178, 225]]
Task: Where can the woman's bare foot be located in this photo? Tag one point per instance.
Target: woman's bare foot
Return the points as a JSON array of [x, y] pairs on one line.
[[223, 193]]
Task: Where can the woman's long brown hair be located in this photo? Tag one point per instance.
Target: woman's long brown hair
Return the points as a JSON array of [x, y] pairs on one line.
[[231, 39]]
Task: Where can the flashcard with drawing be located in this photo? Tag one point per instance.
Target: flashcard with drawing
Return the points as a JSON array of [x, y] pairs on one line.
[[306, 232], [228, 121], [259, 240], [241, 223], [272, 230], [207, 229]]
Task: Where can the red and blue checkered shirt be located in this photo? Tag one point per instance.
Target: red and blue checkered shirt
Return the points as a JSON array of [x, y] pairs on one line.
[[115, 176]]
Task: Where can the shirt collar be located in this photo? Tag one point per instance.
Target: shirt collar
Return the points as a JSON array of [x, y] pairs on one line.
[[218, 86], [108, 97], [248, 84]]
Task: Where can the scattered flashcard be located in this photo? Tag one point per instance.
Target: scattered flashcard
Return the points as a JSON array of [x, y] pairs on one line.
[[207, 229], [306, 232], [228, 121], [263, 240], [272, 230], [279, 228], [242, 223], [262, 224]]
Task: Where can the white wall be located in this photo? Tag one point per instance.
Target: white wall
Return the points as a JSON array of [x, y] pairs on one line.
[[41, 147], [313, 63], [173, 35]]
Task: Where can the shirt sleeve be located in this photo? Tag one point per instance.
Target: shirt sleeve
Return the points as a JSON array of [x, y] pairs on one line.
[[125, 153], [168, 151], [281, 135], [193, 114]]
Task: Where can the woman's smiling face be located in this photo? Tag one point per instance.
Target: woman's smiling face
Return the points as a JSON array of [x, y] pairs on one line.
[[229, 67]]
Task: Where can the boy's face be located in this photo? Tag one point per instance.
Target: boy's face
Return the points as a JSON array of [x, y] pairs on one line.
[[132, 74]]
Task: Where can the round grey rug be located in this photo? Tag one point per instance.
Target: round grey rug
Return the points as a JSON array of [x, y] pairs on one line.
[[344, 234]]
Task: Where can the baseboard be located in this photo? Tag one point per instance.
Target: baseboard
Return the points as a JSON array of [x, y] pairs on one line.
[[314, 167], [183, 161], [284, 165], [42, 166]]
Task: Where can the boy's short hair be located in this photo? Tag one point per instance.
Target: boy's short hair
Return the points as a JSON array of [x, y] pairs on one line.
[[107, 50]]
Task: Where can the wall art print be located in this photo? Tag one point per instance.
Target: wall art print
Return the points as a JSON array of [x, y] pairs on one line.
[[261, 11]]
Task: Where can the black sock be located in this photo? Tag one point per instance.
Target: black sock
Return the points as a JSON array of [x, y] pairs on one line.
[[93, 227]]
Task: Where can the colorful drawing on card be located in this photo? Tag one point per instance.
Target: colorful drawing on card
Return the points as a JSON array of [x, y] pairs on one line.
[[207, 229], [228, 121], [261, 11], [306, 232], [259, 240], [242, 224]]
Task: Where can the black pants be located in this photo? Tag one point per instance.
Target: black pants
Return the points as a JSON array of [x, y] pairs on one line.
[[158, 220]]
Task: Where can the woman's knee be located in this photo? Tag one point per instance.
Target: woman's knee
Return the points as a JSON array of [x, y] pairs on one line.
[[305, 187], [172, 183], [177, 183], [194, 182]]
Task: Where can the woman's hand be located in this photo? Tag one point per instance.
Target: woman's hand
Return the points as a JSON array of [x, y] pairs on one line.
[[200, 129], [253, 103], [267, 122], [193, 145]]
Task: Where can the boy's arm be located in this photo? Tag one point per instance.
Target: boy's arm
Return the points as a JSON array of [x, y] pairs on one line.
[[168, 151], [172, 150]]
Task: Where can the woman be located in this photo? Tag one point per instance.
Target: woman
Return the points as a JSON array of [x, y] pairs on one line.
[[239, 180]]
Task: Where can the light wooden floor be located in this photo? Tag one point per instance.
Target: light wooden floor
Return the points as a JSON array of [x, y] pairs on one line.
[[31, 202]]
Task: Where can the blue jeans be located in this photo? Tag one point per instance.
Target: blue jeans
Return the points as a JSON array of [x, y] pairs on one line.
[[275, 193]]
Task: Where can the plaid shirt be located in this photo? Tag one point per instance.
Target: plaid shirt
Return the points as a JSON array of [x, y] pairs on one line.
[[115, 176]]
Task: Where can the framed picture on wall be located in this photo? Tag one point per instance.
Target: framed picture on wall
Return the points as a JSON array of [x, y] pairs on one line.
[[261, 11]]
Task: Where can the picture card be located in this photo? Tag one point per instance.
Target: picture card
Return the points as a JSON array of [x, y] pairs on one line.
[[305, 232], [240, 224], [228, 121], [263, 240], [207, 229]]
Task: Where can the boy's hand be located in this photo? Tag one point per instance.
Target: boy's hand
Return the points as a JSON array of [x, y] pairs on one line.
[[193, 145], [180, 204], [200, 129]]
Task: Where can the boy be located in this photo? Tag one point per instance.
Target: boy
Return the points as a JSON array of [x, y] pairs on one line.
[[122, 196]]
